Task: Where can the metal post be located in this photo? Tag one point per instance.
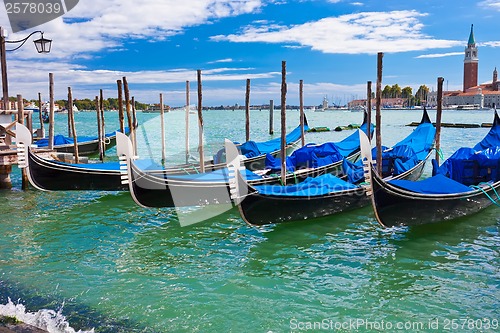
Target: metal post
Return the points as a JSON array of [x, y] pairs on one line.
[[200, 124], [439, 112], [301, 98], [378, 121]]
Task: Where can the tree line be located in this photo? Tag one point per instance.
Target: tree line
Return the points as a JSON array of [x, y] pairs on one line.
[[88, 104], [395, 91]]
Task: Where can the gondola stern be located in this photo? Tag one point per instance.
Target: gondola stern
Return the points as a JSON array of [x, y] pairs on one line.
[[238, 187], [23, 143]]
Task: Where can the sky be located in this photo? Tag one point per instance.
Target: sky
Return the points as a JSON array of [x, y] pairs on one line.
[[331, 45]]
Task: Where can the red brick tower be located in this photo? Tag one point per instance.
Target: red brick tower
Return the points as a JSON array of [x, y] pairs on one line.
[[470, 62]]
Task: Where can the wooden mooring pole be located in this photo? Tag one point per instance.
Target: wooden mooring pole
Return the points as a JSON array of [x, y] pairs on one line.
[[283, 122], [369, 109], [128, 109], [99, 128], [301, 108], [101, 115], [120, 105], [73, 126], [271, 116], [42, 129], [51, 111], [200, 123], [378, 117], [439, 113], [20, 120], [247, 111], [187, 121], [162, 125]]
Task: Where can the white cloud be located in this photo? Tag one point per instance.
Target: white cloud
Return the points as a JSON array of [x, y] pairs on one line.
[[221, 61], [490, 44], [357, 4], [94, 25], [439, 55], [368, 33], [490, 4]]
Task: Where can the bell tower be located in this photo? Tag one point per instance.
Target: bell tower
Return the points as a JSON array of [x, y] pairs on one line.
[[470, 62]]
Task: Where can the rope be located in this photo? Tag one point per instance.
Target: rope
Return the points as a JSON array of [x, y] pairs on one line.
[[487, 195]]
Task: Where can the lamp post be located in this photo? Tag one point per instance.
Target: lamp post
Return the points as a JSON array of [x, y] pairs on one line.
[[42, 45]]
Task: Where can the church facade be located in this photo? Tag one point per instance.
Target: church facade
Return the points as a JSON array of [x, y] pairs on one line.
[[472, 95]]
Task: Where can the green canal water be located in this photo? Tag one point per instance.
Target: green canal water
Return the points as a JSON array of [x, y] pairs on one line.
[[106, 264]]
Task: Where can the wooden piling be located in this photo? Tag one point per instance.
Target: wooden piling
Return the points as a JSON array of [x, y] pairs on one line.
[[42, 127], [271, 116], [127, 107], [162, 125], [378, 117], [283, 122], [20, 120], [200, 124], [99, 128], [51, 111], [73, 126], [301, 108], [247, 111], [439, 112], [369, 109], [187, 121], [134, 124], [120, 105], [103, 130], [69, 115]]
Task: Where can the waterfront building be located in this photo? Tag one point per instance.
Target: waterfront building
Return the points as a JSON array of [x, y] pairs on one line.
[[472, 96]]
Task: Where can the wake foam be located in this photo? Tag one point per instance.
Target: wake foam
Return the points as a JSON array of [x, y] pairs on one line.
[[48, 320]]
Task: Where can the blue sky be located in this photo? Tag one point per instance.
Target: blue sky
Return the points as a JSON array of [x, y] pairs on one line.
[[330, 44]]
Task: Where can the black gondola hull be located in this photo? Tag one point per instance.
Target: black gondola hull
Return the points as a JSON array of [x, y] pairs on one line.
[[52, 176], [156, 189], [394, 206]]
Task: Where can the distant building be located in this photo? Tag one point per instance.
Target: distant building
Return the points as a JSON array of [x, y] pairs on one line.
[[472, 95]]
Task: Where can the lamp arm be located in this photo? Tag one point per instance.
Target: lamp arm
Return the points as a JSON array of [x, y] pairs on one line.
[[22, 41]]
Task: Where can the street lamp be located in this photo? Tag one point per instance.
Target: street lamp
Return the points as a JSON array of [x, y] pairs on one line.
[[42, 45]]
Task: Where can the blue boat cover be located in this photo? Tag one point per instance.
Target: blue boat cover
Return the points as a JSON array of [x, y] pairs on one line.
[[314, 156], [310, 155], [492, 139], [252, 148], [354, 171], [471, 167], [216, 176], [60, 139], [312, 186], [407, 153], [421, 140], [438, 184]]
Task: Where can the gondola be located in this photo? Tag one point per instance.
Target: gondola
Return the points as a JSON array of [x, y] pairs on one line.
[[150, 189], [464, 184], [327, 195], [87, 145], [50, 175]]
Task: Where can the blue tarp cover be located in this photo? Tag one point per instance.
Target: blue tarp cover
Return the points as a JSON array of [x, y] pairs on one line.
[[310, 155], [314, 156], [354, 171], [220, 175], [492, 139], [469, 167], [420, 140], [438, 184], [252, 148], [312, 186], [60, 139]]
